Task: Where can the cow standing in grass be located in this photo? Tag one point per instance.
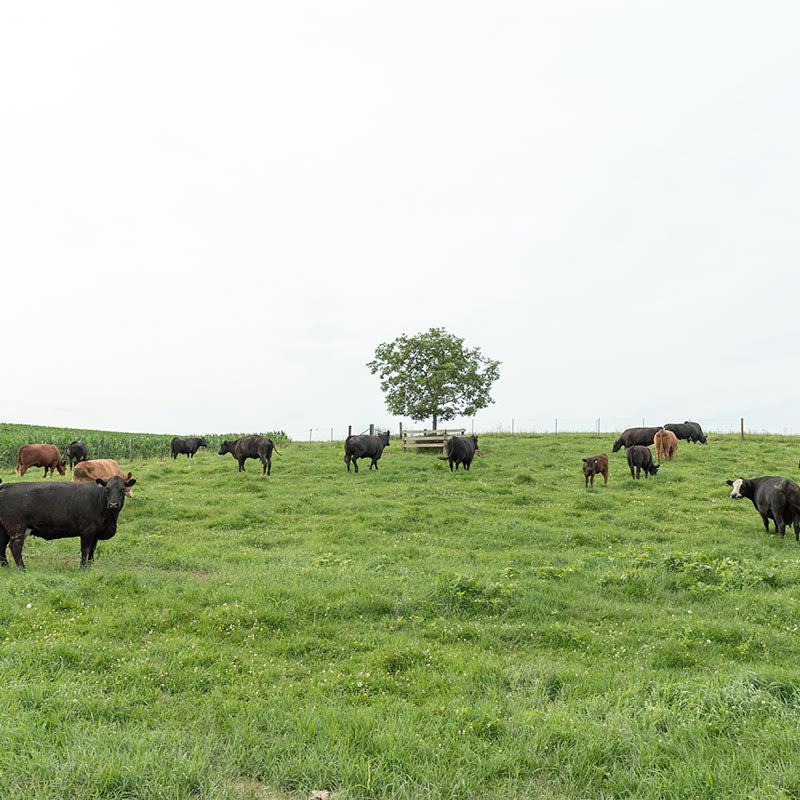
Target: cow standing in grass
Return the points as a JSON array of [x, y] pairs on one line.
[[245, 447], [775, 498], [460, 450], [188, 446], [633, 436], [59, 511], [596, 465], [77, 451], [666, 443], [40, 455], [640, 458], [365, 446]]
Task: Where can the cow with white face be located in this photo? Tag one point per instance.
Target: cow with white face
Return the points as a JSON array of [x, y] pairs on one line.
[[776, 499]]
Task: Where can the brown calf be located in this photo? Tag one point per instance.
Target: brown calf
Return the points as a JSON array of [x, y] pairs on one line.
[[596, 465], [40, 455], [105, 468], [666, 443]]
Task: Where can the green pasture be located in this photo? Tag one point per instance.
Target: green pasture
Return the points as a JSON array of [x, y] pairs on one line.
[[412, 633]]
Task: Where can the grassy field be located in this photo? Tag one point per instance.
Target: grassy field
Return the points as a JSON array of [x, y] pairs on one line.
[[502, 633]]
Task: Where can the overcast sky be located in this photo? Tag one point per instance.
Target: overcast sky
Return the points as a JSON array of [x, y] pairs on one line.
[[211, 214]]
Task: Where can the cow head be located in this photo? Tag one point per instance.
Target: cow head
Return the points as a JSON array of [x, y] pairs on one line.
[[589, 465], [474, 441], [114, 491], [61, 467], [225, 447], [737, 485], [202, 442], [384, 437]]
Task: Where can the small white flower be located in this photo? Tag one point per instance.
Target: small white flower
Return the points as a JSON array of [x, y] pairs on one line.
[[29, 605]]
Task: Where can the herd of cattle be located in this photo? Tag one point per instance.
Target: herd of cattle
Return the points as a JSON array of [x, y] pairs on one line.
[[89, 506]]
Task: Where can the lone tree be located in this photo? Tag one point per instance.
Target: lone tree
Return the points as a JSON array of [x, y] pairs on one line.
[[433, 375]]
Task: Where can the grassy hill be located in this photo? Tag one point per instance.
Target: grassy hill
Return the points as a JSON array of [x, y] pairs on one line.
[[413, 633]]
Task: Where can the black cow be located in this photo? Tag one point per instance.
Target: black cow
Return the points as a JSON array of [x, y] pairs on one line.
[[245, 447], [460, 450], [633, 436], [776, 499], [58, 511], [641, 458], [690, 431], [77, 451], [189, 445], [365, 446]]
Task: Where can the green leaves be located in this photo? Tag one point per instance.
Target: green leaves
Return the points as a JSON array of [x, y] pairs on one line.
[[434, 375]]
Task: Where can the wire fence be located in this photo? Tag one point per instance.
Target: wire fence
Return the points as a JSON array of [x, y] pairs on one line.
[[556, 425]]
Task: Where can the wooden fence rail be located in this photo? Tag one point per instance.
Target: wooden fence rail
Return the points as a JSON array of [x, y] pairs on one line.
[[428, 438]]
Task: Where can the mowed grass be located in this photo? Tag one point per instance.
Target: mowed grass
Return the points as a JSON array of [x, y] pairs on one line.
[[413, 633]]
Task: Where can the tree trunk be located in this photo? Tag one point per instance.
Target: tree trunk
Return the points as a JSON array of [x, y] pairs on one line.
[[434, 420]]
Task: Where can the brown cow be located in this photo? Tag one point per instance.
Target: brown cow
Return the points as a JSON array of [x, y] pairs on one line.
[[666, 443], [596, 465], [40, 455], [105, 468]]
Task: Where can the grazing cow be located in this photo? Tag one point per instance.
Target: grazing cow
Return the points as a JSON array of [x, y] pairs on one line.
[[104, 468], [460, 450], [365, 446], [189, 445], [776, 499], [666, 443], [596, 465], [58, 511], [76, 451], [633, 436], [642, 459], [690, 431], [40, 455], [250, 447]]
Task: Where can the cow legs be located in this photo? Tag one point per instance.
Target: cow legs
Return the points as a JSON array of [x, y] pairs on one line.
[[347, 461], [765, 520], [355, 463], [374, 463], [605, 477], [17, 537], [91, 551], [3, 545], [241, 464]]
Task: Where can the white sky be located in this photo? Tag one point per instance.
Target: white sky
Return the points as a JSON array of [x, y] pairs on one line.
[[211, 214]]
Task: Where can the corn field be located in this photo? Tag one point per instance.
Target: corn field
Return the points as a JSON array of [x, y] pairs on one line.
[[103, 444]]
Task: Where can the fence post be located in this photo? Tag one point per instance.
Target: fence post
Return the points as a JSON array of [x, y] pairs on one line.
[[331, 434], [556, 426], [372, 429], [512, 426], [131, 444], [401, 437], [741, 426], [349, 431]]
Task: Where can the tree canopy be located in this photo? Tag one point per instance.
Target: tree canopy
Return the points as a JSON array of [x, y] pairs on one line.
[[433, 375]]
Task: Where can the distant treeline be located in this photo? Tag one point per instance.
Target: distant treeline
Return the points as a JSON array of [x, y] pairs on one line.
[[106, 444]]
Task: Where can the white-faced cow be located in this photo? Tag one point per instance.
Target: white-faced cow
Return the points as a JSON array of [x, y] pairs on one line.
[[59, 511], [365, 446], [775, 498]]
